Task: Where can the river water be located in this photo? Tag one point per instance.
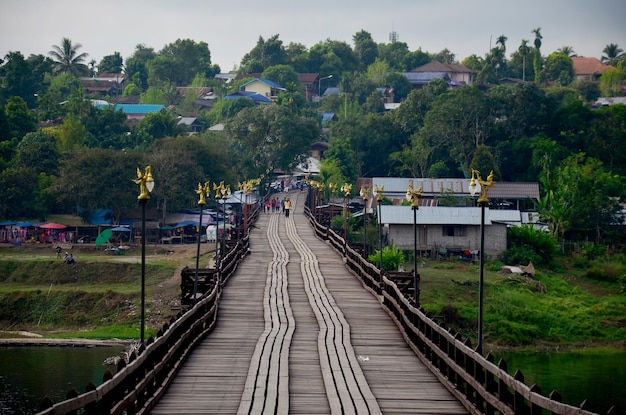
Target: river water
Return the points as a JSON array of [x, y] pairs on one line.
[[28, 374], [599, 378]]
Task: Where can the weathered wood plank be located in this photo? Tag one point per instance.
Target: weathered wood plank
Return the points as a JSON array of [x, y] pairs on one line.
[[308, 281]]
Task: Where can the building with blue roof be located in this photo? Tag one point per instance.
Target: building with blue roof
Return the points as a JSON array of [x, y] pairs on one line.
[[253, 96], [262, 86]]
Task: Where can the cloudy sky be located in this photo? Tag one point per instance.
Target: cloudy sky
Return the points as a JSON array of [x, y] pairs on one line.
[[232, 29]]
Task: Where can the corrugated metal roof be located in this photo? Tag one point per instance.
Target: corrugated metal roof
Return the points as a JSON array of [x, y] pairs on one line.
[[397, 186], [429, 215]]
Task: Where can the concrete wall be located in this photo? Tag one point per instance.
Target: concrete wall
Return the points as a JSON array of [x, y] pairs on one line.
[[430, 237]]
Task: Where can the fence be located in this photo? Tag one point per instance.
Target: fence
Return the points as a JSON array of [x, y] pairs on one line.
[[138, 384], [476, 381]]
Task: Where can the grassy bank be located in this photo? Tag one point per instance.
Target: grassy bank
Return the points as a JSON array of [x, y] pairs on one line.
[[99, 297], [562, 309]]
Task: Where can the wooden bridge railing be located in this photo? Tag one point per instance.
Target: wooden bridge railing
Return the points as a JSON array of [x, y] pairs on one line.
[[138, 384], [476, 381]]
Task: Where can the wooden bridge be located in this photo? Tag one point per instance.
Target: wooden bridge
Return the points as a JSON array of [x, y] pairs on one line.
[[298, 324], [298, 334]]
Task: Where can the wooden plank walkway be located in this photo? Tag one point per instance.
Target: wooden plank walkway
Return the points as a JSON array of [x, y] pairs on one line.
[[297, 334]]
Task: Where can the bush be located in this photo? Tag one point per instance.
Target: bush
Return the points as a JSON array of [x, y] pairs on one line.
[[606, 272], [533, 244], [520, 256], [392, 258]]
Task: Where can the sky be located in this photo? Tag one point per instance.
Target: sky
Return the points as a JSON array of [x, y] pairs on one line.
[[232, 29]]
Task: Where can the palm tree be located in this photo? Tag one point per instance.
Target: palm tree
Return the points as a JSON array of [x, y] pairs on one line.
[[524, 50], [538, 37], [502, 42], [567, 51], [537, 57], [67, 59], [612, 54]]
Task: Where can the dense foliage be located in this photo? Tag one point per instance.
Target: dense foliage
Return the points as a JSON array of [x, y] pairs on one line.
[[58, 151]]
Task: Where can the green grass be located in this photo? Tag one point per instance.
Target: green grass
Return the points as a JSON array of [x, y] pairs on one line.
[[570, 309]]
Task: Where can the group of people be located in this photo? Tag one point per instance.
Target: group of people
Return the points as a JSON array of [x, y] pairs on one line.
[[276, 205], [68, 258]]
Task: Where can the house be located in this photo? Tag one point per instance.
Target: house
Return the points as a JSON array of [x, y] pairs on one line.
[[135, 111], [253, 96], [444, 229], [455, 74], [510, 195], [105, 84], [262, 86], [589, 69], [192, 124]]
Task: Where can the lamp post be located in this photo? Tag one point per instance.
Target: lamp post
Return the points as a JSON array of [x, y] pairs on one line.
[[217, 190], [333, 189], [203, 192], [346, 189], [482, 202], [364, 193], [225, 190], [413, 196], [319, 86], [146, 185], [378, 194]]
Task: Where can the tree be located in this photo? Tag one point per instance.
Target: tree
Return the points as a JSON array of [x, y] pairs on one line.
[[266, 53], [484, 162], [611, 81], [377, 72], [281, 74], [537, 65], [67, 59], [365, 48], [473, 62], [137, 66], [560, 68], [415, 59], [612, 54], [582, 199], [445, 56], [97, 178], [270, 136], [459, 122], [400, 84], [20, 120], [18, 186], [38, 152], [24, 78], [414, 159], [157, 125], [567, 51], [524, 51], [394, 54], [111, 64]]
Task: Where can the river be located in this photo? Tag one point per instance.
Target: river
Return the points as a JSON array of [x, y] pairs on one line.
[[598, 377], [28, 374]]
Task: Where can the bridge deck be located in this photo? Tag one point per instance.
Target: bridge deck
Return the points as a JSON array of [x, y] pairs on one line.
[[297, 334]]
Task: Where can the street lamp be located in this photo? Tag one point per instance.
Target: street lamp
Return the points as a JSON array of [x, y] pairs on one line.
[[482, 202], [378, 194], [203, 192], [225, 193], [146, 185], [333, 189], [364, 193], [413, 197], [319, 85], [346, 189]]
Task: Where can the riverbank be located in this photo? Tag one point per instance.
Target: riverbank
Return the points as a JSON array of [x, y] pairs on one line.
[[98, 298]]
